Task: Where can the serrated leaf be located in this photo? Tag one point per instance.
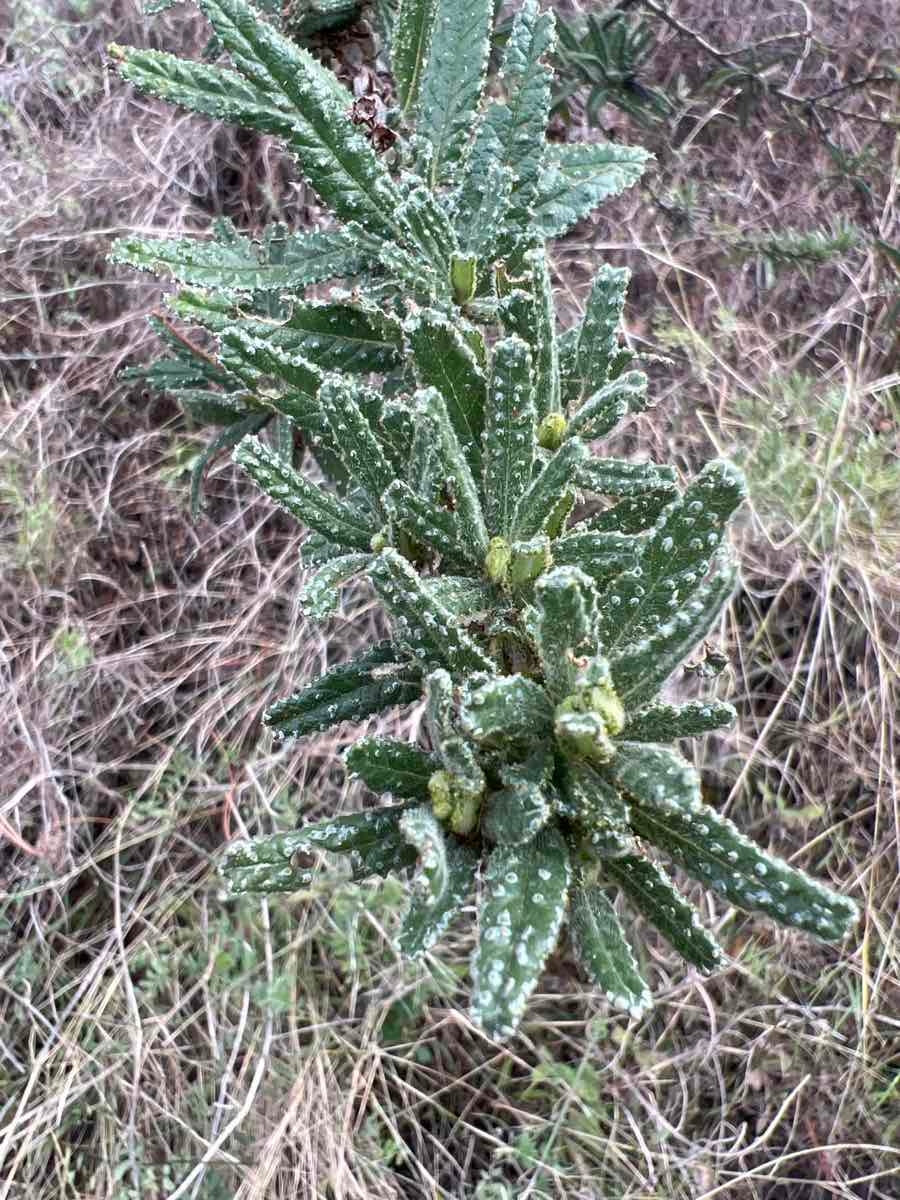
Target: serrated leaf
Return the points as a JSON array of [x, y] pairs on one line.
[[444, 360], [712, 850], [258, 362], [482, 211], [509, 436], [453, 470], [350, 692], [578, 177], [601, 948], [519, 916], [529, 313], [633, 514], [600, 555], [538, 506], [598, 807], [411, 48], [424, 625], [640, 669], [269, 864], [446, 877], [229, 437], [427, 524], [334, 336], [215, 408], [674, 559], [430, 232], [453, 80], [620, 477], [320, 596], [563, 631], [507, 711], [236, 266], [666, 722], [610, 404], [351, 432], [653, 775], [337, 160], [651, 892], [302, 499], [515, 813], [388, 766], [591, 346], [465, 598]]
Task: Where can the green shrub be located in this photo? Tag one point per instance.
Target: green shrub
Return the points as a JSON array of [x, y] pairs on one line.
[[540, 596]]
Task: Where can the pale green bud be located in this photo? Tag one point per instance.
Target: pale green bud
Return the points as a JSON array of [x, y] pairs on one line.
[[496, 562], [552, 431]]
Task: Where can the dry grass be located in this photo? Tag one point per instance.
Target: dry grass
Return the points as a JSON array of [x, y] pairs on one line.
[[157, 1040]]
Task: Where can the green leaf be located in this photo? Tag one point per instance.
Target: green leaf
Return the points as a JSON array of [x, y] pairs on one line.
[[235, 265], [320, 596], [445, 879], [443, 360], [337, 160], [666, 722], [600, 555], [258, 362], [654, 775], [651, 892], [216, 408], [508, 711], [465, 598], [411, 48], [426, 628], [229, 437], [640, 669], [619, 477], [430, 231], [609, 405], [632, 515], [334, 336], [389, 766], [599, 808], [353, 435], [453, 79], [515, 813], [595, 341], [270, 864], [578, 177], [482, 209], [600, 946], [528, 312], [563, 631], [538, 505], [302, 499], [457, 481], [350, 692], [712, 850], [519, 916], [673, 559], [509, 436], [427, 524]]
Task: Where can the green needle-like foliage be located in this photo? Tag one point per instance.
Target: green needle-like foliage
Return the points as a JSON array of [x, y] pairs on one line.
[[539, 594]]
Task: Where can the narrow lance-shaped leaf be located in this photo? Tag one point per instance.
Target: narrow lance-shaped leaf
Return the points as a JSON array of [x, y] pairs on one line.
[[446, 877], [674, 558], [651, 892], [388, 766], [411, 48], [640, 669], [666, 722], [509, 438], [600, 945], [564, 628], [633, 514], [339, 162], [226, 440], [528, 312], [538, 505], [515, 813], [598, 807], [654, 775], [453, 79], [453, 468], [443, 360], [270, 864], [430, 232], [610, 404], [620, 477], [429, 525], [334, 336], [351, 692], [423, 625], [302, 499], [320, 596], [360, 449], [599, 555], [577, 178], [519, 916], [596, 339], [712, 850], [508, 711]]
